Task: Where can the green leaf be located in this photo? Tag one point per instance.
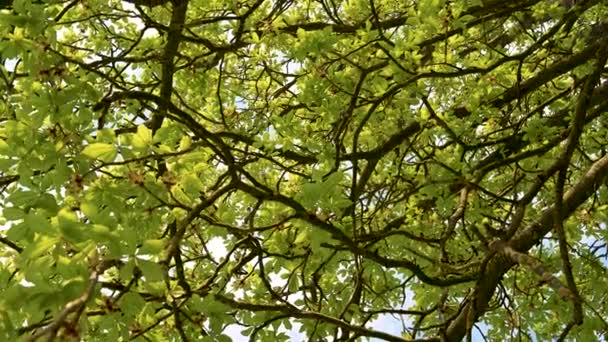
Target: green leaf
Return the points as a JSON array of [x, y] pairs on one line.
[[70, 226], [5, 148], [152, 271], [23, 197], [101, 233], [12, 213], [133, 304], [152, 247], [40, 247], [192, 185], [143, 138], [39, 224], [89, 208], [48, 203], [185, 143], [101, 151]]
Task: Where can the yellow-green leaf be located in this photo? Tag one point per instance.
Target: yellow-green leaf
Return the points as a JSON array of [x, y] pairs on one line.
[[101, 151]]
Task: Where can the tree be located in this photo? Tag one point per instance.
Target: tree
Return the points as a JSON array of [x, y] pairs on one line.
[[197, 170]]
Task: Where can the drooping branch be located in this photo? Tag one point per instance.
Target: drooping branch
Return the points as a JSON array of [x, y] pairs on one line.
[[523, 241], [98, 267], [314, 316], [152, 3]]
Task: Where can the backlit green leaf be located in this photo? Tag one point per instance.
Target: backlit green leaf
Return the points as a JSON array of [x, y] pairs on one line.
[[102, 151]]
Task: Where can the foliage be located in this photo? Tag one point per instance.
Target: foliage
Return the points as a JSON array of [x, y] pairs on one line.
[[201, 169]]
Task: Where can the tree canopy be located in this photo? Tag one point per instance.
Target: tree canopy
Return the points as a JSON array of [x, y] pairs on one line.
[[208, 170]]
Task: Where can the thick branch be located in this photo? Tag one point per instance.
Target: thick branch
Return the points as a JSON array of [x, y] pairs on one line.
[[526, 238]]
